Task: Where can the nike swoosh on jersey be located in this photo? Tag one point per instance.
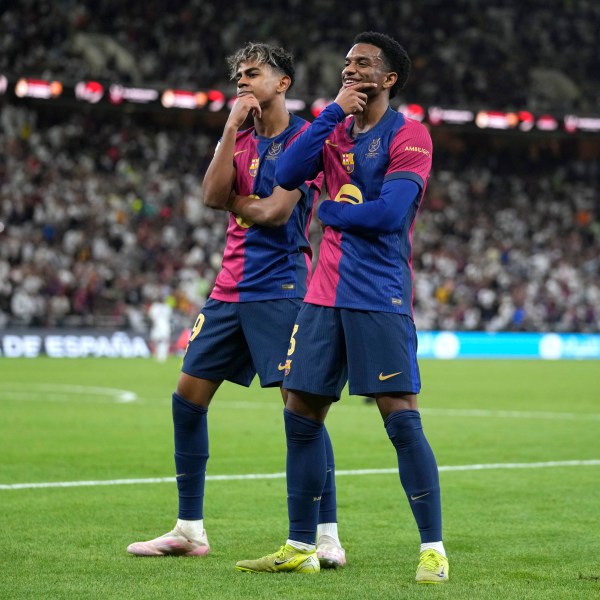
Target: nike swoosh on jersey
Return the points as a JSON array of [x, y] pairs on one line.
[[331, 144], [238, 152], [383, 377]]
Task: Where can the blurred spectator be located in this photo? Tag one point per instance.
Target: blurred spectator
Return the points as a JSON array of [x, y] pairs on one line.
[[160, 313]]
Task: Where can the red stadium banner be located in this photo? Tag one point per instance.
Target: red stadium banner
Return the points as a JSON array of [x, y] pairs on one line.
[[38, 88], [213, 100]]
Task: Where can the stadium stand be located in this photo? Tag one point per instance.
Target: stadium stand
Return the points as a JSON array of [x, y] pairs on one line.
[[504, 55]]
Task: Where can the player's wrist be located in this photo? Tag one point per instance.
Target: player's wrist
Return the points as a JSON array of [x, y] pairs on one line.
[[230, 128], [336, 109]]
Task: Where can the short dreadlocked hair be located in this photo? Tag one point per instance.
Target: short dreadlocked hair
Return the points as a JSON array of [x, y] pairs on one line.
[[394, 55], [267, 54]]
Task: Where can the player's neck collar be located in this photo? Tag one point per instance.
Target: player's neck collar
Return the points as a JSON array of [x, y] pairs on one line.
[[255, 133], [351, 129]]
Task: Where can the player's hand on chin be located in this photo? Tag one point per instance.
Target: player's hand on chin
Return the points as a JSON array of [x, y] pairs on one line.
[[353, 98], [242, 106]]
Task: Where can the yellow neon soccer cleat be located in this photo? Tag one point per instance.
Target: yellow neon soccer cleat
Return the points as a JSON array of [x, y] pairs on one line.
[[433, 567], [287, 560]]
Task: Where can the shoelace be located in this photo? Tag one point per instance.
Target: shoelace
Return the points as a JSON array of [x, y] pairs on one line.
[[432, 560]]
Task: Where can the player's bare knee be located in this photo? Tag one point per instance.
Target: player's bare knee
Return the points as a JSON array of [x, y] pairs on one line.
[[390, 403], [308, 405], [195, 390]]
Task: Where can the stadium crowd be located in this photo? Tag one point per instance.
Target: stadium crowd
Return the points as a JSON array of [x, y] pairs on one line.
[[497, 55], [98, 218], [509, 245]]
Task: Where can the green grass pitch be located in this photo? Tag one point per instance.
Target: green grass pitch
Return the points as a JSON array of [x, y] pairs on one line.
[[521, 514]]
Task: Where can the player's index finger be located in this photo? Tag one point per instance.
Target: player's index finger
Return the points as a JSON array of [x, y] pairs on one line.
[[364, 85]]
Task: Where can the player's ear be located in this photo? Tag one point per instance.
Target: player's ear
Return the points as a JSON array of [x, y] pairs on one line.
[[284, 84], [390, 80]]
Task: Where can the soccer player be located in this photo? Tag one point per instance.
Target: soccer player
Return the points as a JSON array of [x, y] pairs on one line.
[[356, 323], [160, 314], [245, 326]]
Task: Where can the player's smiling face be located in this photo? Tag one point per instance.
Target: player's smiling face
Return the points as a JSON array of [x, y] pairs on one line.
[[364, 63], [258, 79]]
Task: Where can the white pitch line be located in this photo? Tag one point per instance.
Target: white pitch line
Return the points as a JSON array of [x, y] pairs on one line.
[[60, 393], [480, 467]]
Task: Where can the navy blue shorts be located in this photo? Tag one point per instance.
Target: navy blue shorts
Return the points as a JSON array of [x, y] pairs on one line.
[[376, 352], [234, 341]]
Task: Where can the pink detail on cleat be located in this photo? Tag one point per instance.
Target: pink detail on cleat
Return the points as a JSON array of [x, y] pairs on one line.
[[330, 554], [173, 543]]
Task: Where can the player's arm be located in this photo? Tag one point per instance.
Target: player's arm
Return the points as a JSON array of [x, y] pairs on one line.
[[219, 179], [384, 215], [273, 211], [220, 175], [302, 160], [408, 169]]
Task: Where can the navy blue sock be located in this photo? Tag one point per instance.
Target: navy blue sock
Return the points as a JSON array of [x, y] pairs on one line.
[[418, 472], [328, 509], [191, 454], [306, 473]]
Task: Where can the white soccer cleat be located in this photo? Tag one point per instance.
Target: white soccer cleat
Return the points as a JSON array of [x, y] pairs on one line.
[[174, 543], [331, 555]]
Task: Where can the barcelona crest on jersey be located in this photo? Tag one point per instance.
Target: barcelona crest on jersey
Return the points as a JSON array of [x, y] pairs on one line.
[[348, 161], [254, 167]]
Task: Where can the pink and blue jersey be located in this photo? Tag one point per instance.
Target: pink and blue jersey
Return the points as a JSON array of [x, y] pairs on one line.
[[377, 180], [266, 263]]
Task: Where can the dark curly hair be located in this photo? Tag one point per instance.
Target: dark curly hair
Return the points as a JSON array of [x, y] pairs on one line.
[[395, 56], [266, 54]]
